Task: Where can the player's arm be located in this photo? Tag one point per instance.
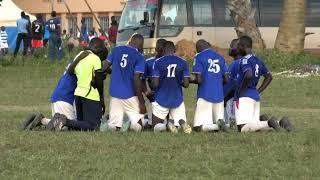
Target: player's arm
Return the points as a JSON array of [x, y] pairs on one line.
[[197, 79], [77, 59], [266, 81], [248, 75], [185, 82], [138, 91]]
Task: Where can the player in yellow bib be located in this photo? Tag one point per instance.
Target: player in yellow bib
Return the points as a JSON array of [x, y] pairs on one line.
[[89, 98]]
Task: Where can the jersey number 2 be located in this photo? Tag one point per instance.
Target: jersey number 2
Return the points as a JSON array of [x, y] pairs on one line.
[[37, 28], [213, 66], [172, 70], [124, 61]]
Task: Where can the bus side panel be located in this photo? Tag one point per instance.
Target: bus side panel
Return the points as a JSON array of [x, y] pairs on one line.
[[206, 33]]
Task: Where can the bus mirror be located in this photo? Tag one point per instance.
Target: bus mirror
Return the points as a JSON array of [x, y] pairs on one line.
[[146, 17]]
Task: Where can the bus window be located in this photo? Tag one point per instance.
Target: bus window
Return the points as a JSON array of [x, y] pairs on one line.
[[174, 13], [202, 12], [313, 13], [270, 12]]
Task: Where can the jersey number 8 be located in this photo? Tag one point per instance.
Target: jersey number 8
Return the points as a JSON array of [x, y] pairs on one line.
[[256, 73], [214, 66], [124, 61]]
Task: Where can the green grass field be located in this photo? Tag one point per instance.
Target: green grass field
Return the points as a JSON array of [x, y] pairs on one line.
[[82, 155]]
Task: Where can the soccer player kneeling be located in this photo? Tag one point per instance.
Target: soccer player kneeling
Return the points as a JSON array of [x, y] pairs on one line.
[[247, 108], [170, 74], [209, 69], [125, 85]]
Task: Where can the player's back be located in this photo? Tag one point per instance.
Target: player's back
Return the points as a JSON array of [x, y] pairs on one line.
[[37, 29], [212, 68], [53, 25], [126, 61], [171, 70], [251, 62]]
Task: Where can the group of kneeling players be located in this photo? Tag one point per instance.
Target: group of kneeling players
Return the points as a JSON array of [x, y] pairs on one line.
[[78, 99]]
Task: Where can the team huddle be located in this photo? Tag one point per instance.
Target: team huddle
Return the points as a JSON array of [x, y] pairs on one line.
[[78, 99]]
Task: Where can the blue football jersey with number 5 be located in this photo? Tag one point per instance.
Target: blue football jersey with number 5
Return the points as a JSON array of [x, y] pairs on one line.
[[125, 61], [211, 66], [171, 70], [254, 64]]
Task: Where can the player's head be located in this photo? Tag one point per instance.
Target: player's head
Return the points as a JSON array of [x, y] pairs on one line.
[[23, 14], [202, 45], [53, 14], [39, 17], [244, 45], [169, 48], [3, 28], [28, 17], [97, 46], [160, 46], [137, 41], [233, 51]]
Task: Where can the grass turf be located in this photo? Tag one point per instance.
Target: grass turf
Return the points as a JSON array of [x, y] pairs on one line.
[[79, 155]]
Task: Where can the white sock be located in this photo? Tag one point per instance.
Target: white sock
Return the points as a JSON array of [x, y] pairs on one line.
[[136, 127], [255, 126], [160, 127], [210, 127], [45, 121]]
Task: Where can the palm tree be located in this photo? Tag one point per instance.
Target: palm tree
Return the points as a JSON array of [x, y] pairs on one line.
[[291, 34], [243, 14]]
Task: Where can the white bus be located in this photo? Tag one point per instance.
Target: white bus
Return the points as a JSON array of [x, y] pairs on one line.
[[206, 19]]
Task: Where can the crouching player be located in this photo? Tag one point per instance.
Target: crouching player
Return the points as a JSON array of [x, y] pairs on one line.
[[247, 109], [125, 85], [170, 74], [89, 99], [209, 70], [62, 100]]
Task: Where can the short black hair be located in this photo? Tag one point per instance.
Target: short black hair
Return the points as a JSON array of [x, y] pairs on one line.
[[98, 47], [39, 17], [245, 41], [202, 45], [53, 14], [161, 43], [169, 47], [23, 14]]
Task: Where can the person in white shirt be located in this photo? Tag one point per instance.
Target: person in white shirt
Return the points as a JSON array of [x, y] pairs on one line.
[[4, 47]]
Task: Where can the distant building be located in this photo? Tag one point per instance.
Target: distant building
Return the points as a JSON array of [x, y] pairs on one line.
[[103, 9]]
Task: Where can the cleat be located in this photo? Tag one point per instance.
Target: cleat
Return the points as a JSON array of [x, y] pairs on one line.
[[171, 127], [274, 124], [185, 127], [286, 124], [27, 121], [197, 128], [222, 125], [233, 124], [264, 117], [125, 126], [57, 122], [36, 122]]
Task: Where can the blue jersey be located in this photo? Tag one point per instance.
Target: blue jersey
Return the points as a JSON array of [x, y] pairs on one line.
[[125, 61], [53, 25], [171, 70], [251, 63], [211, 66], [233, 74], [65, 88]]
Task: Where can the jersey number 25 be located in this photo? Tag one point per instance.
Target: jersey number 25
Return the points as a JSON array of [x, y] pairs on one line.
[[214, 66]]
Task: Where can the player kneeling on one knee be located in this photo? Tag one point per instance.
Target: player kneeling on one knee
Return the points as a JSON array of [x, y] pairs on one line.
[[125, 85], [247, 108], [170, 74], [209, 70]]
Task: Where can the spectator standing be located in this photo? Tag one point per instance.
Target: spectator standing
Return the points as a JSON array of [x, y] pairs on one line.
[[113, 30], [22, 26], [37, 30], [55, 42], [84, 33], [29, 37], [3, 41]]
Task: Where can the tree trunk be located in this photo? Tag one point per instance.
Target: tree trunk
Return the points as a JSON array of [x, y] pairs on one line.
[[243, 14], [291, 34]]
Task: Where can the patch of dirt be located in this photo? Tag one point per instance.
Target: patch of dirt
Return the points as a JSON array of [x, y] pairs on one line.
[[302, 71]]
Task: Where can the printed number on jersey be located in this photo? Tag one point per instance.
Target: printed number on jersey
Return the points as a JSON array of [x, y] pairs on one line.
[[214, 66], [124, 61], [172, 70], [256, 73], [37, 29], [52, 26]]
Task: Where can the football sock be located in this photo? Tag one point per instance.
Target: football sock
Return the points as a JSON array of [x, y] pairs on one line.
[[255, 126], [135, 127], [210, 127], [45, 121]]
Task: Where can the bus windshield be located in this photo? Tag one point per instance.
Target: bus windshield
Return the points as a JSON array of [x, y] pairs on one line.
[[134, 13]]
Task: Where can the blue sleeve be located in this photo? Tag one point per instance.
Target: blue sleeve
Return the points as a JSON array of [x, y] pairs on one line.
[[197, 66], [186, 72], [140, 65], [146, 72], [224, 69], [110, 57], [263, 69], [155, 69]]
